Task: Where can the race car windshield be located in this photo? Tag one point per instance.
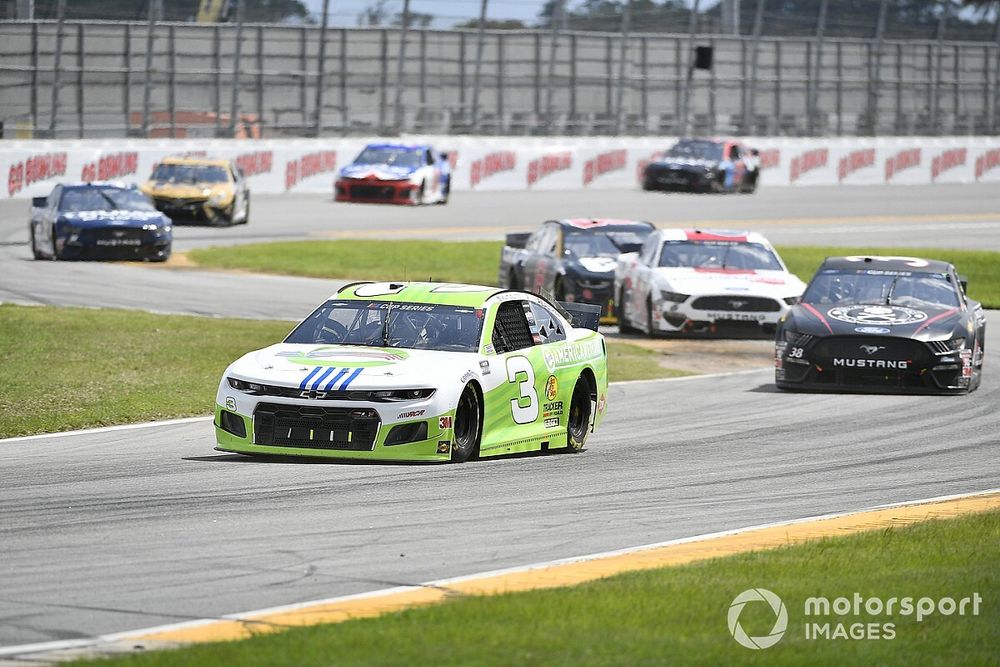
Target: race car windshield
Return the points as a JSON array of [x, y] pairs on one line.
[[418, 326], [718, 255], [104, 199], [601, 244], [699, 150], [394, 157], [189, 173], [884, 288]]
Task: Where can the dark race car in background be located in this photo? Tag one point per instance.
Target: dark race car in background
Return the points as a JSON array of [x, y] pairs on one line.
[[98, 221], [704, 165], [396, 174], [571, 260], [895, 324]]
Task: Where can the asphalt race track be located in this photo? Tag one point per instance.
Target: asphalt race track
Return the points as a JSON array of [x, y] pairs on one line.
[[944, 215], [115, 530]]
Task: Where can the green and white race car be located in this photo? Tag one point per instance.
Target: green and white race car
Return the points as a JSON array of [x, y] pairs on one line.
[[420, 372]]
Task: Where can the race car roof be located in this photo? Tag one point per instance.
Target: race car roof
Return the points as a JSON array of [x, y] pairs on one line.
[[405, 147], [195, 160], [445, 294], [96, 184], [696, 235], [601, 223], [882, 263]]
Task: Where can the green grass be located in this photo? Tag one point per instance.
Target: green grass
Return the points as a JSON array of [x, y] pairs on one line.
[[473, 262], [981, 267], [67, 368], [677, 615], [477, 261]]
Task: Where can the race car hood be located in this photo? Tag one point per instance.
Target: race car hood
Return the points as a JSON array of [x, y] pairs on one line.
[[924, 323], [694, 164], [702, 281], [340, 367], [599, 267], [186, 190], [381, 172], [119, 219]]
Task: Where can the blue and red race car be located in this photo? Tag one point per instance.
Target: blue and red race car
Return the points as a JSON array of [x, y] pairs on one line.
[[704, 165], [396, 174]]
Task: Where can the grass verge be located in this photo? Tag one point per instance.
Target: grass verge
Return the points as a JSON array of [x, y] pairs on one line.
[[68, 368], [679, 615], [477, 261]]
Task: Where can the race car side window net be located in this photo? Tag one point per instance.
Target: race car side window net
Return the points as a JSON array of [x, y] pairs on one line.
[[510, 331]]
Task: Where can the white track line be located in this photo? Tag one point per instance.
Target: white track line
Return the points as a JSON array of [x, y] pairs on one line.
[[192, 420], [136, 635]]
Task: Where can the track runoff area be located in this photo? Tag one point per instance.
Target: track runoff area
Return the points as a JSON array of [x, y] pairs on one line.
[[919, 229]]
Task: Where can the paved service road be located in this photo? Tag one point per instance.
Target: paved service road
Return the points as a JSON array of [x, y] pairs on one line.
[[120, 530], [944, 215]]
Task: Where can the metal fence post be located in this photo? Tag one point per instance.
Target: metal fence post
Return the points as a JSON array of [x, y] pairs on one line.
[[234, 102], [622, 55], [839, 101], [572, 76], [749, 109], [317, 127], [996, 78], [304, 78], [956, 106], [422, 90], [816, 75], [875, 70], [477, 71], [899, 87], [345, 118], [147, 83], [260, 76], [557, 15], [79, 81], [33, 94], [57, 66], [643, 83], [501, 125], [127, 83], [777, 88], [538, 76], [383, 92], [400, 59]]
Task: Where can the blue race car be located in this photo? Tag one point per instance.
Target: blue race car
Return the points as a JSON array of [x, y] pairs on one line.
[[98, 221], [396, 174]]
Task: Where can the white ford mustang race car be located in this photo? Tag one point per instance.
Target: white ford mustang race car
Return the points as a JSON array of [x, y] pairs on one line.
[[703, 281]]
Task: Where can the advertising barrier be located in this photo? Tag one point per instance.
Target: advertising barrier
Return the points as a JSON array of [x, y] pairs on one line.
[[504, 163]]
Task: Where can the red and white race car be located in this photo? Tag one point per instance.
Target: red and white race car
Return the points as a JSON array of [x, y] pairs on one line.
[[703, 281]]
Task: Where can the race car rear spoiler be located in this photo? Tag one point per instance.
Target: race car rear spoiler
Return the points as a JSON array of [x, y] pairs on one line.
[[517, 240], [582, 315]]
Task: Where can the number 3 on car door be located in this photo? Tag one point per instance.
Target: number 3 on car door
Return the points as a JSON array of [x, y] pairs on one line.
[[524, 408]]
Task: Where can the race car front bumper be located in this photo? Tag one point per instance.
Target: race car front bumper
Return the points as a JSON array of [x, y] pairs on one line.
[[710, 314], [113, 243], [337, 429], [895, 365], [375, 191]]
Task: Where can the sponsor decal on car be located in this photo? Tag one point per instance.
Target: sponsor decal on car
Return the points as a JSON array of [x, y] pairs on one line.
[[484, 367], [573, 353], [230, 403], [871, 363], [444, 446], [444, 423], [602, 403], [872, 330], [553, 409], [552, 422], [741, 317], [551, 388], [410, 414]]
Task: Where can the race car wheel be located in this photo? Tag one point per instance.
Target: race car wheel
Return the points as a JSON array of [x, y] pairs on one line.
[[246, 212], [55, 250], [468, 426], [750, 184], [420, 192], [649, 317], [512, 280], [34, 245], [578, 422], [624, 325]]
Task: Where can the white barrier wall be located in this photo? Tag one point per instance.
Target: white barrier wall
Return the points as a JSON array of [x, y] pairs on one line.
[[505, 163]]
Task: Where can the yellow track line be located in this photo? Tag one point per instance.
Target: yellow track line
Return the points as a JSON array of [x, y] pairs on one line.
[[572, 572]]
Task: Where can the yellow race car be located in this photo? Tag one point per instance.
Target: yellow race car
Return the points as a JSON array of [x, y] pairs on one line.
[[188, 187]]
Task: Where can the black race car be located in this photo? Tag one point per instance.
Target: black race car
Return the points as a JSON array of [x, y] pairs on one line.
[[894, 324], [571, 260], [704, 165]]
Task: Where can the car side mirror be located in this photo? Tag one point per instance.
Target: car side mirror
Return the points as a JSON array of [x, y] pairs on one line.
[[964, 282], [444, 155], [39, 202], [754, 152]]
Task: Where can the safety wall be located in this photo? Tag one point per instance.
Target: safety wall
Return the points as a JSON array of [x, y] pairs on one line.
[[503, 163]]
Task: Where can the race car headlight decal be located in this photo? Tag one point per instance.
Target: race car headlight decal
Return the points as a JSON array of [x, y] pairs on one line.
[[791, 300], [797, 339], [675, 297], [246, 387], [219, 199], [390, 395], [957, 343]]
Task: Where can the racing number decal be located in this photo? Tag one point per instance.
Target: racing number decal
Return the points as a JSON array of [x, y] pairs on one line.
[[796, 353], [524, 408]]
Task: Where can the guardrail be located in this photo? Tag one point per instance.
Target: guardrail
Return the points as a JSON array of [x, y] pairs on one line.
[[505, 163]]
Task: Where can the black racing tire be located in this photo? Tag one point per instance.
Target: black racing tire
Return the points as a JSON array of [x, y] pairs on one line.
[[578, 420], [648, 185], [468, 427], [512, 281], [624, 324], [246, 215], [751, 186], [420, 193], [445, 193], [35, 252], [649, 317], [55, 250]]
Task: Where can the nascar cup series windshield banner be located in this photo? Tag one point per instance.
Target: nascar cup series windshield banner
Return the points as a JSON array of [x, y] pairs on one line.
[[505, 163]]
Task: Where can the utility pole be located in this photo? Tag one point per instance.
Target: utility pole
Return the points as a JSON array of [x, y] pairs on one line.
[[398, 105], [234, 103], [623, 54], [320, 69], [480, 38], [686, 92]]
